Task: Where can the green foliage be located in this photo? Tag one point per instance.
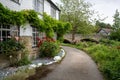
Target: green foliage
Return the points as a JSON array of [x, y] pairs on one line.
[[110, 43], [115, 35], [107, 56], [108, 60], [23, 61], [49, 49], [77, 12], [21, 74], [32, 17], [116, 24], [47, 24], [102, 24], [62, 29], [11, 17], [11, 47]]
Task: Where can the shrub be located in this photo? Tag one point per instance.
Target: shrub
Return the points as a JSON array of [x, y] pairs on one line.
[[49, 49], [11, 47], [108, 60], [115, 35], [23, 61]]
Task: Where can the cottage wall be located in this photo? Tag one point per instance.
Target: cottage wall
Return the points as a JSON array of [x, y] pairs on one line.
[[47, 7], [27, 4], [10, 4], [57, 15], [26, 31]]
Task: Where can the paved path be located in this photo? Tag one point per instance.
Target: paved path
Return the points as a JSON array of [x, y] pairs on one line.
[[77, 65]]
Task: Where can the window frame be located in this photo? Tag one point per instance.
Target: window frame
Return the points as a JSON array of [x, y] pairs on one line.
[[53, 12], [10, 30], [35, 34], [38, 4]]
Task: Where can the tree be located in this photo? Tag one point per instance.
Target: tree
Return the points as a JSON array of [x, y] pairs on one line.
[[102, 24], [78, 13], [115, 35], [116, 24]]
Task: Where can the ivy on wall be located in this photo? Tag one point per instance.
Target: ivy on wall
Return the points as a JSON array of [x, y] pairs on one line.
[[47, 24], [10, 17]]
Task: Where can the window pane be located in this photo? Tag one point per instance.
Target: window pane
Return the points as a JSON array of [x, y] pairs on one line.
[[0, 34], [39, 5], [35, 34], [4, 33], [53, 12], [8, 33]]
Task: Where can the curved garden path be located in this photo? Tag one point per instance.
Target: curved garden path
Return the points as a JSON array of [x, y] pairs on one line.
[[77, 65]]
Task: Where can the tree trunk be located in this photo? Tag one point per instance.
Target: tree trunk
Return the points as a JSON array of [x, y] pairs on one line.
[[73, 36], [73, 33]]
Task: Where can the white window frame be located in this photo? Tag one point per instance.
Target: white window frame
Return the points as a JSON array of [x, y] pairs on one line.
[[35, 34], [10, 29], [39, 6]]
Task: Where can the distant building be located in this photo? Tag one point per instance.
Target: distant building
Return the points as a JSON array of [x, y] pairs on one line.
[[104, 32]]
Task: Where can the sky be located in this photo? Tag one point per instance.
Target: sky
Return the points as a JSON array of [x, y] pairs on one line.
[[105, 8]]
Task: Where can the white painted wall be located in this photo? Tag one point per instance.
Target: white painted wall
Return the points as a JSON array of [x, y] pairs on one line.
[[10, 4], [27, 4], [47, 7], [57, 14], [27, 31]]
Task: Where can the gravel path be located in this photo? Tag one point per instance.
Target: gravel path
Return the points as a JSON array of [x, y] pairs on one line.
[[77, 65]]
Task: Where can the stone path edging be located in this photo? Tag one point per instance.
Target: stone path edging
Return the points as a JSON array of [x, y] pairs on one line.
[[10, 71]]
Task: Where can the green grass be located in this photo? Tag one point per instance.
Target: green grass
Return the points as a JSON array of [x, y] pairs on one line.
[[21, 75], [105, 54]]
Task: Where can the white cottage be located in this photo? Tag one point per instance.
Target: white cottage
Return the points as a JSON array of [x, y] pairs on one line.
[[28, 34]]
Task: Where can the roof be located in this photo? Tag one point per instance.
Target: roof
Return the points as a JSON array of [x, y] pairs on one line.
[[53, 4], [106, 30]]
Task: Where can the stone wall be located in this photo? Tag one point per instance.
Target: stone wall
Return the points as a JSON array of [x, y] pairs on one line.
[[78, 37], [27, 41]]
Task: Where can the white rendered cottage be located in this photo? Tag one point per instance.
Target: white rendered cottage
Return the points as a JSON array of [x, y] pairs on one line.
[[28, 34]]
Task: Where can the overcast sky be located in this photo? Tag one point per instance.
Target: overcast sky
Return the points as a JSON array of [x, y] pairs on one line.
[[106, 8]]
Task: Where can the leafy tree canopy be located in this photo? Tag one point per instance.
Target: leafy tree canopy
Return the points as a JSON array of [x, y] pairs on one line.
[[102, 24], [116, 24], [78, 13]]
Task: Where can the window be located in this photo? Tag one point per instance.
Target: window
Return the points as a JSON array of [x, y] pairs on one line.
[[39, 5], [35, 34], [17, 1], [6, 32], [53, 12]]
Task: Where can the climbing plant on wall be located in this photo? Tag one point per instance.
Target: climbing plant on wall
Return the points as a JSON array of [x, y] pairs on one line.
[[47, 24], [62, 28], [10, 17]]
